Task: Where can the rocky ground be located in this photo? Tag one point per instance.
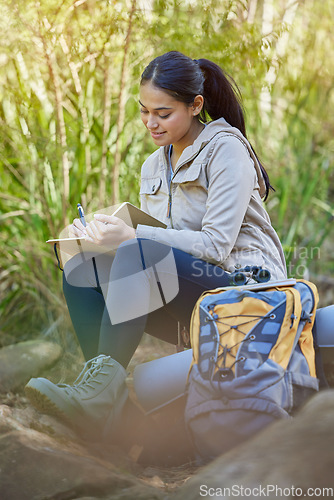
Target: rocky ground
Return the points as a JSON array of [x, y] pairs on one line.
[[43, 459]]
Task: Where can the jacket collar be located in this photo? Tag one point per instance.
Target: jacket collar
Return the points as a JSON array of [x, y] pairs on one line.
[[220, 126]]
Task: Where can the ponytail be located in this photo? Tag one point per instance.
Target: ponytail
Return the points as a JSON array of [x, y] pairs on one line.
[[184, 78], [222, 99]]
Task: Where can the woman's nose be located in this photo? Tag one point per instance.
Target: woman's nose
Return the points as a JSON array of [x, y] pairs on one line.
[[151, 123]]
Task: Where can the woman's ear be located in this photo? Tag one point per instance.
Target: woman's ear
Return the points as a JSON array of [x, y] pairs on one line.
[[198, 104]]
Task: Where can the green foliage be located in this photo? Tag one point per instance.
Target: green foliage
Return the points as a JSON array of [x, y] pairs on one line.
[[70, 70], [302, 153]]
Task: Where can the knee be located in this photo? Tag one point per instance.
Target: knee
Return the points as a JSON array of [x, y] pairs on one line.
[[128, 248], [128, 259], [137, 254]]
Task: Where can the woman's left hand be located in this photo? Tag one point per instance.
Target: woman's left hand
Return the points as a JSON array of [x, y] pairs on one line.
[[108, 230]]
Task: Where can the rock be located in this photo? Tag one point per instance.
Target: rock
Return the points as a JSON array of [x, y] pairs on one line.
[[19, 362], [48, 462], [289, 454], [42, 459]]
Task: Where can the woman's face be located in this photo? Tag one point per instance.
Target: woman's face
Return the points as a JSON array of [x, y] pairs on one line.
[[169, 121]]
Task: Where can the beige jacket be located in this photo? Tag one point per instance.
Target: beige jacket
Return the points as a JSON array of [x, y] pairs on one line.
[[215, 199]]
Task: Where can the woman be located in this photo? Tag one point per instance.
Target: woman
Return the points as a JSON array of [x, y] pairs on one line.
[[206, 183]]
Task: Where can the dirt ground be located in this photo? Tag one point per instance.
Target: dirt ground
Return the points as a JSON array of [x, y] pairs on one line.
[[165, 478]]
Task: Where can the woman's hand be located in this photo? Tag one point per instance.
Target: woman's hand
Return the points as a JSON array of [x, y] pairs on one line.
[[77, 229], [108, 230]]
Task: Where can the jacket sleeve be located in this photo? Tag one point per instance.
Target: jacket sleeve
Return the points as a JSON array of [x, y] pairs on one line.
[[231, 181]]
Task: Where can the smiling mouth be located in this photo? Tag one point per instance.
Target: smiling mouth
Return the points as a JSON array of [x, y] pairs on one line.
[[157, 134]]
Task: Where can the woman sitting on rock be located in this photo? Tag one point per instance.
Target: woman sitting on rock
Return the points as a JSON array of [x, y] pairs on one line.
[[206, 183]]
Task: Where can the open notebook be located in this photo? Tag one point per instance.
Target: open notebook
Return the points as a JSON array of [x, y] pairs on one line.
[[65, 248]]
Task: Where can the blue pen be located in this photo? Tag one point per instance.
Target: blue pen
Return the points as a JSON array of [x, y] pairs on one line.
[[81, 214], [82, 218]]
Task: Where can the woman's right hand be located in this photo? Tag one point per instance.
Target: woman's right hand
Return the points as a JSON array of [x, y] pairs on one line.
[[77, 229]]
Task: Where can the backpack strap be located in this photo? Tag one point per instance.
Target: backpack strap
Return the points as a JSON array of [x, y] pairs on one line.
[[310, 302], [259, 342], [301, 314]]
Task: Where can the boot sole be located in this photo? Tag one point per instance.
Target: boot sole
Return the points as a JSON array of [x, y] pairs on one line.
[[43, 404]]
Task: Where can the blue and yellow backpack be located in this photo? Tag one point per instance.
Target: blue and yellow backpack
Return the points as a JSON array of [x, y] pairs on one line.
[[253, 362]]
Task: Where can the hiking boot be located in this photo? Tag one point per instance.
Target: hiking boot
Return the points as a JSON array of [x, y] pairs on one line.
[[93, 403]]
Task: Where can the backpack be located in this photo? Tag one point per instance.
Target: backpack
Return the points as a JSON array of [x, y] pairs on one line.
[[253, 362]]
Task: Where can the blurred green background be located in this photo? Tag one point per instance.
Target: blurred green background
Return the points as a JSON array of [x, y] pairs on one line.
[[70, 126]]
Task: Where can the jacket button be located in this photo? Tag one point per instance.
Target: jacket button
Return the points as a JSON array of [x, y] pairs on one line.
[[153, 187]]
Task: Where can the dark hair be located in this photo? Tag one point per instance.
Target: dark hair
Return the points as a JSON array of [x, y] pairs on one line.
[[184, 78]]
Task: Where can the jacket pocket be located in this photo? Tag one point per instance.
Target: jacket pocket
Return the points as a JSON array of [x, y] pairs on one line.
[[193, 173], [150, 185]]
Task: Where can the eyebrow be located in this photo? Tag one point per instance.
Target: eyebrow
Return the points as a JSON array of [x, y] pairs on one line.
[[156, 109]]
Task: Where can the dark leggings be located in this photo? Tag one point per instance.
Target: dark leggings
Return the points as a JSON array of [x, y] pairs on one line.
[[147, 287]]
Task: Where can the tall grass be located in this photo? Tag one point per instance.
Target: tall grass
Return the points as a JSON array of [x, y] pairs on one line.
[[70, 131]]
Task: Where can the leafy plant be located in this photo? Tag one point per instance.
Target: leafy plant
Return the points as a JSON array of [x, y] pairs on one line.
[[70, 129]]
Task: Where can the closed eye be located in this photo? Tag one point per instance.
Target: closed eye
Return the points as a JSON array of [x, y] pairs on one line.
[[145, 111]]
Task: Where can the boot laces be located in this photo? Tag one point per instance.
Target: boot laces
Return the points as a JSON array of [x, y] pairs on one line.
[[88, 375]]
